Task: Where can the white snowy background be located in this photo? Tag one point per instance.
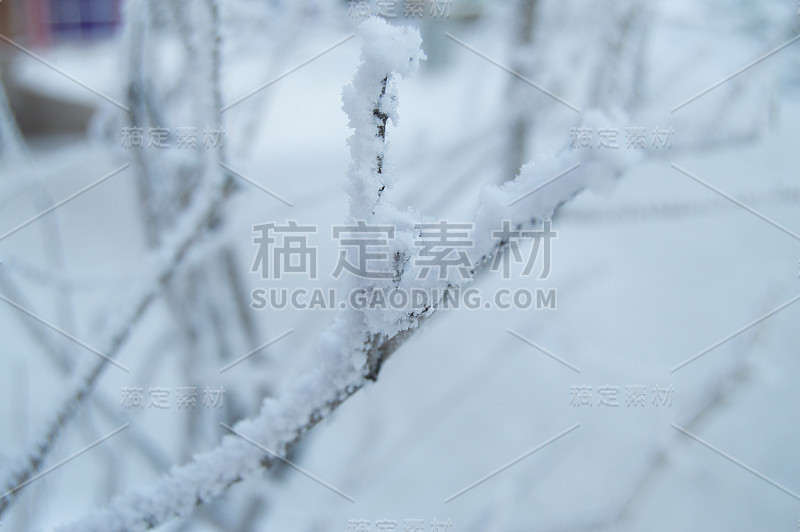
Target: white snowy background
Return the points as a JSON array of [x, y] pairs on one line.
[[650, 269]]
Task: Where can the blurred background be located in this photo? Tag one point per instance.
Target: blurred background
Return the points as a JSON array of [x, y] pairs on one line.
[[135, 104]]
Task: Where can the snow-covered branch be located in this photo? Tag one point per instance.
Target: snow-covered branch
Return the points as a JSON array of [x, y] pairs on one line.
[[352, 351]]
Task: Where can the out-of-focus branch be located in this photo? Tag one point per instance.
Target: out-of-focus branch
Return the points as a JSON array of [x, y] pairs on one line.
[[12, 145], [164, 265], [63, 359]]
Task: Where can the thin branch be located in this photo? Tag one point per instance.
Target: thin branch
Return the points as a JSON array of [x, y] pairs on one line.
[[174, 251], [63, 358]]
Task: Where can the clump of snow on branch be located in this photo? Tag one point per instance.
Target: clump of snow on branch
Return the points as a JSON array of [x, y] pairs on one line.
[[537, 191], [390, 54], [393, 53]]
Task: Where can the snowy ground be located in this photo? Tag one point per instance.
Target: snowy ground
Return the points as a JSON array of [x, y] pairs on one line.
[[648, 273]]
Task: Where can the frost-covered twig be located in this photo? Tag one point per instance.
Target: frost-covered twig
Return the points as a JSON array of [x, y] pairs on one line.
[[168, 180], [164, 265], [63, 358], [141, 113], [618, 71], [201, 214], [14, 151], [207, 302], [353, 350]]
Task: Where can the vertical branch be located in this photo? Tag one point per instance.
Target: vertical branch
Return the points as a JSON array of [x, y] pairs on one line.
[[618, 74], [215, 33], [370, 101], [383, 118], [519, 128], [14, 151], [12, 145], [136, 28]]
